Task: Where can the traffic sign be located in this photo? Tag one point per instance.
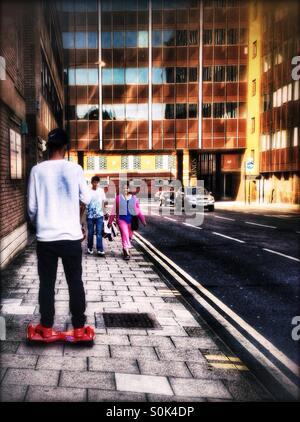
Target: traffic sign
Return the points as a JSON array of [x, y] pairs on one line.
[[250, 165]]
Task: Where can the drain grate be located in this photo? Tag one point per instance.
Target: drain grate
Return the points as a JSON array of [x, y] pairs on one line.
[[127, 320]]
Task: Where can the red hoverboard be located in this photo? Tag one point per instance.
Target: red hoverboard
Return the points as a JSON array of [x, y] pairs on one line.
[[38, 334]]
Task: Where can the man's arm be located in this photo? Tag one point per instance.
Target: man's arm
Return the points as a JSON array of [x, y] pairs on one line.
[[85, 195], [32, 205]]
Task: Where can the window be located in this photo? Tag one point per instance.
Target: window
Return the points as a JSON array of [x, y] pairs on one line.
[[92, 40], [181, 74], [206, 110], [232, 73], [156, 38], [171, 162], [169, 37], [219, 110], [254, 49], [157, 111], [181, 38], [232, 110], [90, 163], [113, 112], [181, 111], [220, 36], [219, 73], [193, 37], [106, 39], [124, 162], [118, 39], [193, 111], [102, 163], [15, 155], [168, 75], [232, 36], [142, 39], [252, 124], [131, 111], [142, 75], [83, 76], [131, 75], [131, 38], [92, 76], [157, 75], [254, 87], [169, 111], [207, 36], [136, 162], [296, 137], [266, 102], [107, 76], [87, 112], [207, 74], [193, 74], [159, 162], [68, 39], [118, 76], [80, 39], [142, 112]]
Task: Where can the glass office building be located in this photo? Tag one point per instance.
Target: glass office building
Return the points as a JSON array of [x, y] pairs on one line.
[[158, 88]]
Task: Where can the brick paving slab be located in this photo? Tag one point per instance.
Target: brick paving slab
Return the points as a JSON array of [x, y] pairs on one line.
[[69, 363], [114, 396], [113, 365], [102, 380], [165, 368], [57, 394], [13, 393], [169, 363], [143, 384], [31, 377]]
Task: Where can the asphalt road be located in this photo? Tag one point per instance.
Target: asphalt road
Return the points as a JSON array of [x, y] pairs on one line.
[[260, 286]]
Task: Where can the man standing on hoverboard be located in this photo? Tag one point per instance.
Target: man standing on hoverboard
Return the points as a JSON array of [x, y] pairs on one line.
[[55, 188]]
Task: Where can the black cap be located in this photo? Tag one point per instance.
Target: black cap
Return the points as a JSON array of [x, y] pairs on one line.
[[57, 138]]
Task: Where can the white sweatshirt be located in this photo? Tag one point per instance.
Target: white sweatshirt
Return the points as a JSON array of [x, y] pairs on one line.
[[54, 190]]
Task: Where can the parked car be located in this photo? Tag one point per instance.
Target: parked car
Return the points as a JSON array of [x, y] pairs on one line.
[[194, 196]]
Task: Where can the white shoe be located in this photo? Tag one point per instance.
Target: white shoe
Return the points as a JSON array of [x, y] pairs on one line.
[[100, 253], [90, 251]]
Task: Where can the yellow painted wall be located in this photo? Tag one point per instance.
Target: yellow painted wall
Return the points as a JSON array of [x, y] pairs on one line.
[[253, 102]]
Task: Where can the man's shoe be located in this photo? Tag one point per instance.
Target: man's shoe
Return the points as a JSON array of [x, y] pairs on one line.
[[90, 251], [101, 253]]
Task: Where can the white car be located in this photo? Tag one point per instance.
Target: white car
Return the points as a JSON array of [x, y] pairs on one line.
[[194, 196]]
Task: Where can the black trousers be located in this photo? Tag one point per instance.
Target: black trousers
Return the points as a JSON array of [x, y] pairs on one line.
[[71, 254]]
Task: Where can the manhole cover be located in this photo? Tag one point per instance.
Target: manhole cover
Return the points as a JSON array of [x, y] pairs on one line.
[[127, 320]]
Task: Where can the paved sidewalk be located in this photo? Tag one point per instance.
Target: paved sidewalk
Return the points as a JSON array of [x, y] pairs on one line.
[[255, 206], [180, 361]]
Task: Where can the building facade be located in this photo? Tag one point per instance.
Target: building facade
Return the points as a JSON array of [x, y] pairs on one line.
[[31, 104], [158, 89], [178, 89], [280, 103]]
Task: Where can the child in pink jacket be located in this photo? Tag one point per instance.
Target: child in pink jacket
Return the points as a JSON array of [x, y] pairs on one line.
[[126, 206]]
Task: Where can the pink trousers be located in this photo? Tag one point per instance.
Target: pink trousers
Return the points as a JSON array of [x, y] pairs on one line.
[[126, 233]]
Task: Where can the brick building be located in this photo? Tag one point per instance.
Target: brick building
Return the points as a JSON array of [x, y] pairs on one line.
[[31, 103]]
